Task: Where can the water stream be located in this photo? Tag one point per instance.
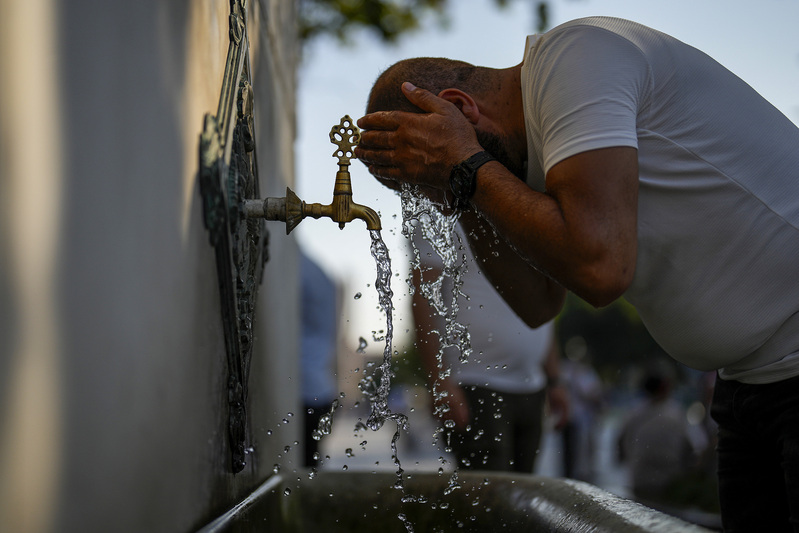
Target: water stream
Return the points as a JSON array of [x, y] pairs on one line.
[[377, 386], [418, 214]]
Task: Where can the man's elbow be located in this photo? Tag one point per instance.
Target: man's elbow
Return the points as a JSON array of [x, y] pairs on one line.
[[537, 315], [602, 287]]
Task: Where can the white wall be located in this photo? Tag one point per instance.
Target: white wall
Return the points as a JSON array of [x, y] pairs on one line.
[[113, 411]]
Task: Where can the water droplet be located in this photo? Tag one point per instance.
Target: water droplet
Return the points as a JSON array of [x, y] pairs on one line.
[[345, 468], [276, 468], [287, 492], [348, 452], [358, 296], [362, 344]]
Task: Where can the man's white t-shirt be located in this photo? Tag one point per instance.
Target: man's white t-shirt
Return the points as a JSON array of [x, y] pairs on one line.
[[717, 273]]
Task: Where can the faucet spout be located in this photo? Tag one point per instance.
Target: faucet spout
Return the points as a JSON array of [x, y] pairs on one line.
[[342, 209], [368, 215]]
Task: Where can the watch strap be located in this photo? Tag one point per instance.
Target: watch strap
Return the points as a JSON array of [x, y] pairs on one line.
[[467, 170], [478, 160]]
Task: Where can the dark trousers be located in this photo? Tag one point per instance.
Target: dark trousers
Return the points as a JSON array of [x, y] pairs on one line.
[[758, 455], [505, 431]]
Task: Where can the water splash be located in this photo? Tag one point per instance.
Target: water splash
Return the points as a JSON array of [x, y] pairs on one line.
[[420, 214], [325, 425], [362, 344]]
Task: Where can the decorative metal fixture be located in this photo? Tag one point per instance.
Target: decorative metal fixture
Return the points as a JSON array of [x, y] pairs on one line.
[[342, 209], [228, 175], [234, 216]]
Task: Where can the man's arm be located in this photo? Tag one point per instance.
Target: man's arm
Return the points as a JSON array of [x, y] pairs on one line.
[[581, 231]]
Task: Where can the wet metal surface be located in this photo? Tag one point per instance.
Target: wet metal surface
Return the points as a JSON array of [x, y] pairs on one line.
[[351, 502]]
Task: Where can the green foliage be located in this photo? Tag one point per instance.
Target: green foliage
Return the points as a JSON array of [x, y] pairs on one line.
[[390, 19]]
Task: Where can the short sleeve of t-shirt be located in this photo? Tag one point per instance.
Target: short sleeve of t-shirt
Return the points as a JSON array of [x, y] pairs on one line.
[[587, 87]]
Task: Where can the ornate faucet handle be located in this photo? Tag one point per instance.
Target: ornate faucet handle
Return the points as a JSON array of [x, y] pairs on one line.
[[346, 136]]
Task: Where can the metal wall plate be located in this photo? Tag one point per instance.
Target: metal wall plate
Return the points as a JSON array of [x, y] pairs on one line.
[[229, 176]]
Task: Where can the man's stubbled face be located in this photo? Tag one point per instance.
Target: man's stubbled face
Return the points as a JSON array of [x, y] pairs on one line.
[[498, 146]]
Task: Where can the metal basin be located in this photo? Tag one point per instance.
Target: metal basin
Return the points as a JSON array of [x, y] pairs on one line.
[[355, 502]]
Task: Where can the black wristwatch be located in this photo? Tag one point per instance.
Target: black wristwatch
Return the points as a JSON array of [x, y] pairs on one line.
[[463, 178]]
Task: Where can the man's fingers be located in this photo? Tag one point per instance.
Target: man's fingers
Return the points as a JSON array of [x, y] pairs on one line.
[[424, 99], [377, 139], [381, 120], [371, 156], [391, 120], [388, 176]]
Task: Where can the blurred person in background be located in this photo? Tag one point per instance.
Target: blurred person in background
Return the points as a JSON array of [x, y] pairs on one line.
[[586, 397], [496, 398], [319, 337], [655, 439]]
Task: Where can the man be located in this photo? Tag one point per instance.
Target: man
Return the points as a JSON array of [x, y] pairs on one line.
[[647, 170], [495, 398], [655, 441]]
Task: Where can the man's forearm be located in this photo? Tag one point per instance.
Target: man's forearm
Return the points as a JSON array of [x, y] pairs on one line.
[[582, 231]]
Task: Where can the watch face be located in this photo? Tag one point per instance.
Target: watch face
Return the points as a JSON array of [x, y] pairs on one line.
[[460, 181]]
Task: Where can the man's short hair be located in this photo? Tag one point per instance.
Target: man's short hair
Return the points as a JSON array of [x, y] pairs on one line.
[[432, 73]]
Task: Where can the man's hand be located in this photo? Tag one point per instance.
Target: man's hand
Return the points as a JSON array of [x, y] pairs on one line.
[[417, 148], [558, 398]]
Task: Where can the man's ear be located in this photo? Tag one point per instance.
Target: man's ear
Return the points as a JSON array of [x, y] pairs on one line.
[[464, 102]]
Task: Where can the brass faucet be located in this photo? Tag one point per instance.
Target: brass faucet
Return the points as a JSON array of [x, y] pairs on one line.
[[342, 209]]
